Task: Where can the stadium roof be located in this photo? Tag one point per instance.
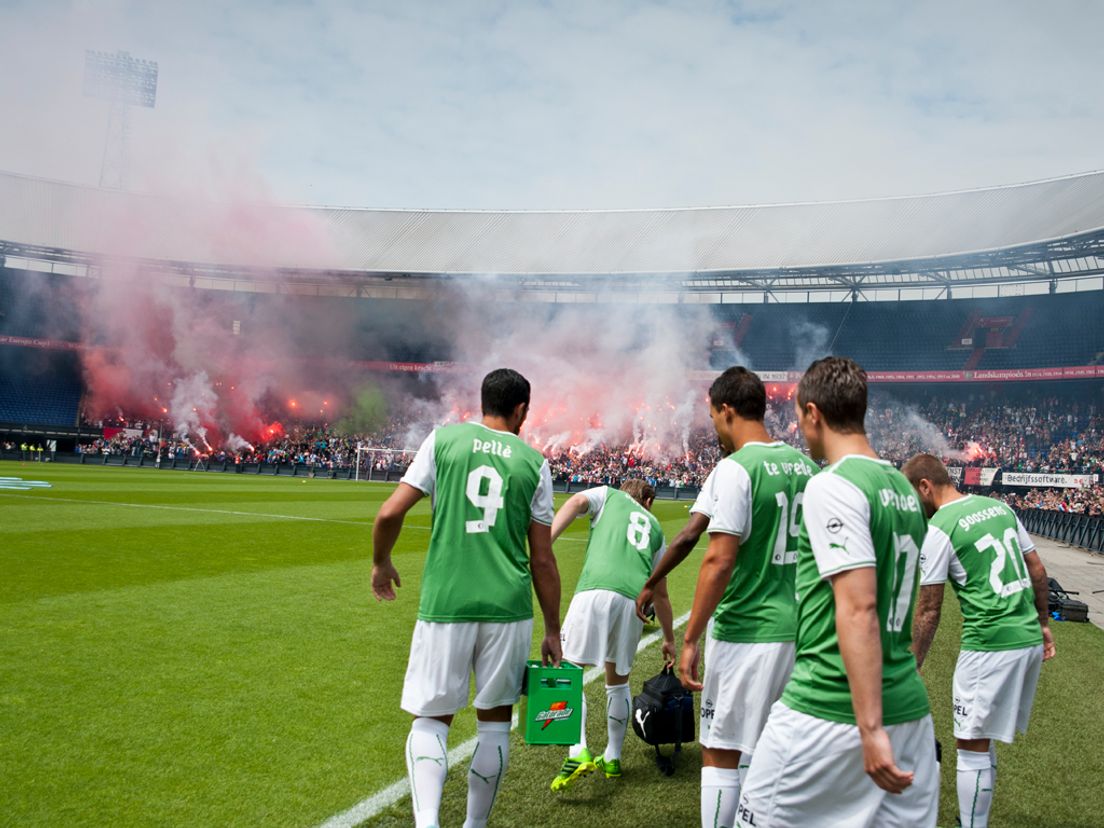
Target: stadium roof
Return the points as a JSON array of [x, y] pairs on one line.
[[1036, 232]]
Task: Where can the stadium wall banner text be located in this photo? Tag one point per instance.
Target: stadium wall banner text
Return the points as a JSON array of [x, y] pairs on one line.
[[1063, 481]]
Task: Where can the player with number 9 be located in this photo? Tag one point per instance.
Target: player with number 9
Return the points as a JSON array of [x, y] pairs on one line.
[[1001, 584], [492, 496], [851, 740], [601, 627]]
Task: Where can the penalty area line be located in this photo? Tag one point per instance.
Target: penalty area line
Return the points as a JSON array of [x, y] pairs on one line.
[[380, 801]]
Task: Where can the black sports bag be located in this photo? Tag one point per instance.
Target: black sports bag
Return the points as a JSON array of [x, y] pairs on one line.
[[663, 714]]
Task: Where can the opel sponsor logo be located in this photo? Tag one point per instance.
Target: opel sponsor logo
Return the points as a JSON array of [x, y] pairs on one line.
[[834, 525]]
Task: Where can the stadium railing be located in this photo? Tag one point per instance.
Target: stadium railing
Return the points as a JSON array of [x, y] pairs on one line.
[[1086, 531]]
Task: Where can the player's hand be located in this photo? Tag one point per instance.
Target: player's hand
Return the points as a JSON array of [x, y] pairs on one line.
[[688, 665], [551, 653], [384, 580], [670, 653], [1049, 650], [879, 765], [643, 603]]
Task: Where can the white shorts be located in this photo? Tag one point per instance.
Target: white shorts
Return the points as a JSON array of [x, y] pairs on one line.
[[993, 692], [600, 626], [809, 771], [443, 657], [741, 683]]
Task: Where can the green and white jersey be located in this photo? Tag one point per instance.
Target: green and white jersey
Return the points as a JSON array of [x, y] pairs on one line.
[[703, 503], [756, 495], [981, 544], [625, 544], [487, 487], [859, 512]]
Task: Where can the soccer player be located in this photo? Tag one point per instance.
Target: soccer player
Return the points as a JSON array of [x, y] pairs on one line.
[[746, 585], [851, 741], [601, 627], [1002, 587], [491, 494]]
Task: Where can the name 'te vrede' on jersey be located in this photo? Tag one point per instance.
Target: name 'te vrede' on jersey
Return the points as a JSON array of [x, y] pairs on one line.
[[625, 543], [487, 487], [756, 494], [858, 512], [980, 544]]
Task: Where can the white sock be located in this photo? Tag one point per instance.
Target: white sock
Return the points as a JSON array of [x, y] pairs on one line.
[[720, 795], [579, 748], [488, 766], [618, 710], [975, 788], [426, 768]]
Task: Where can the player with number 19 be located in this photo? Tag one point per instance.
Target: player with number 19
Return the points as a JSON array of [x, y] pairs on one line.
[[601, 627], [492, 495], [745, 586]]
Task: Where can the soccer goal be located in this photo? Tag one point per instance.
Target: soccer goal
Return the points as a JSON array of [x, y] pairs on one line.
[[381, 463]]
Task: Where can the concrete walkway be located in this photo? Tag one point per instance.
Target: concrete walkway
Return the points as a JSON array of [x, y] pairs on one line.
[[1077, 571]]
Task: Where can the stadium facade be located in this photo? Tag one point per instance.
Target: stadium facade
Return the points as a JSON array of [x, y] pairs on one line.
[[1024, 265], [1045, 236]]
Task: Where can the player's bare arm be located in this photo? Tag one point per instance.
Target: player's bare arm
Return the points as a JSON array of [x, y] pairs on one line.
[[929, 608], [666, 617], [575, 507], [546, 583], [860, 646], [713, 577], [385, 532], [1037, 573], [677, 552]]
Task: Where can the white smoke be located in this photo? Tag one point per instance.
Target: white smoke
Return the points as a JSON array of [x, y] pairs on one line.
[[810, 342], [193, 401], [614, 374], [236, 443]]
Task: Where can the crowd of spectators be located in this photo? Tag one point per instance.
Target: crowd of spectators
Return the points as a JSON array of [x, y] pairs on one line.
[[1048, 435], [1088, 500]]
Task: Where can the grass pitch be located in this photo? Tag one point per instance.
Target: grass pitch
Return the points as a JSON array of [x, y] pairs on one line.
[[203, 649]]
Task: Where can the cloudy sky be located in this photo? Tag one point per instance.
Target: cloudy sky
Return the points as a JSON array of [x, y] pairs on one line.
[[472, 104]]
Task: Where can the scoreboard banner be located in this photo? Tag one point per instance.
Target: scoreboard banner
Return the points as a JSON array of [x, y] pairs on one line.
[[1059, 481]]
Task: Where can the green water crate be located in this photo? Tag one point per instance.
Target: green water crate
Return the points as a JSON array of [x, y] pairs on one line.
[[551, 704]]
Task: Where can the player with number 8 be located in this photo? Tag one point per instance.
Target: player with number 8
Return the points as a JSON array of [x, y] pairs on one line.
[[601, 627]]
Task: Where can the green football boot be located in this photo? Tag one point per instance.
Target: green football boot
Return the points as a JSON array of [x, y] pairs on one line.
[[573, 768], [612, 768]]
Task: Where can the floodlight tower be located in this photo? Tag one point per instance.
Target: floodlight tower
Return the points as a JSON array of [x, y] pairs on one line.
[[124, 82]]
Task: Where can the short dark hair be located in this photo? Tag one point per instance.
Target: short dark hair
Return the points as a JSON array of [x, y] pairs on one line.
[[504, 389], [639, 490], [926, 467], [742, 391], [837, 386]]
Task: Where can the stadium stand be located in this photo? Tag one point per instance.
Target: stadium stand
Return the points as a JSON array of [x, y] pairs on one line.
[[38, 388]]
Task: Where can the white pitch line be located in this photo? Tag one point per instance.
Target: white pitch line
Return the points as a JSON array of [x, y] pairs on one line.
[[363, 525], [381, 800]]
